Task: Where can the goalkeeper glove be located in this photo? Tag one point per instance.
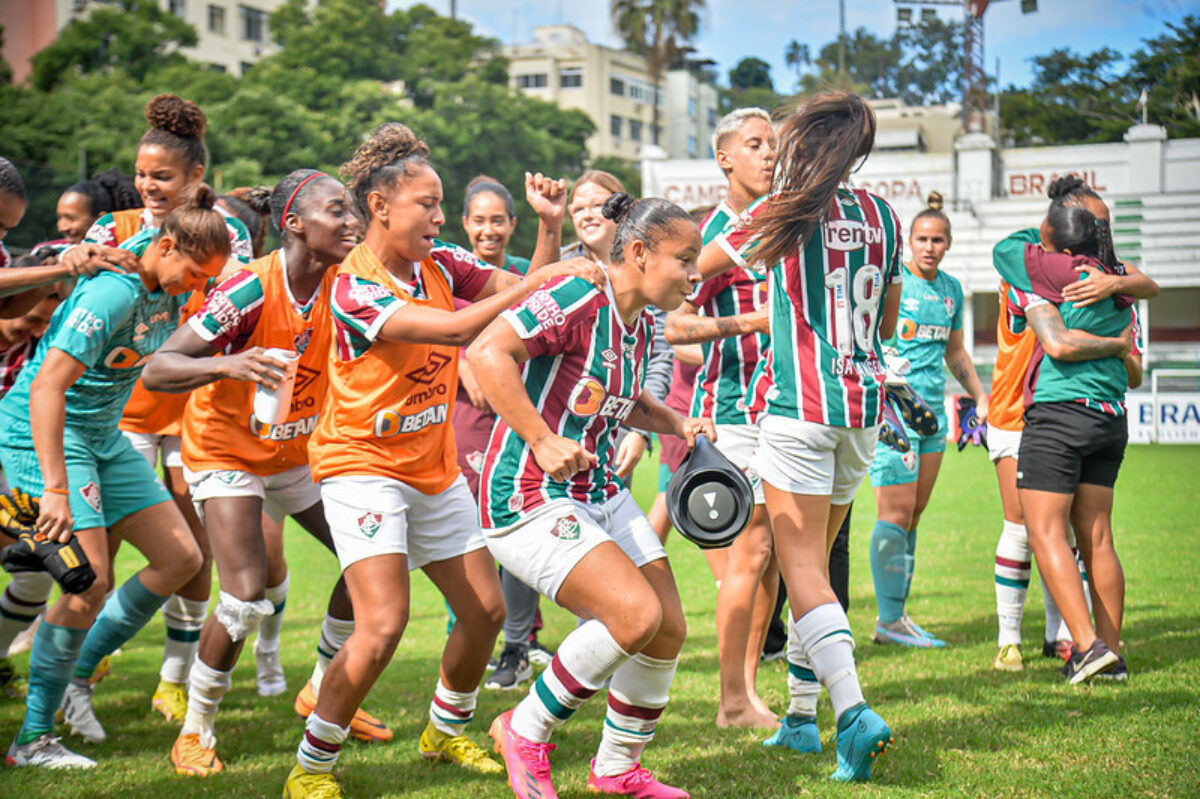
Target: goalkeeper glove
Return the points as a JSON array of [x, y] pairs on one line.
[[972, 430]]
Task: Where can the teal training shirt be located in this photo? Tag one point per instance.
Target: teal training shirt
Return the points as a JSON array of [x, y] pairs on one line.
[[930, 310], [111, 323]]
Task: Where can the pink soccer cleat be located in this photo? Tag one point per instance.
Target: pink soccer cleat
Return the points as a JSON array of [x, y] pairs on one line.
[[528, 762], [636, 782]]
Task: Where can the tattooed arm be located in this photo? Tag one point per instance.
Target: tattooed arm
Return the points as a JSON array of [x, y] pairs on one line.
[[1064, 344], [687, 326], [963, 369]]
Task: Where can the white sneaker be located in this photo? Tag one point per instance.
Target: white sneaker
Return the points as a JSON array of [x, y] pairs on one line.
[[271, 680], [47, 752], [78, 713]]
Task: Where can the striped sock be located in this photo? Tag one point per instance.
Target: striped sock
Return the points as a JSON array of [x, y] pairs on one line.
[[126, 612], [55, 649], [1013, 563], [22, 601], [636, 699], [334, 633], [270, 627], [451, 711], [585, 659], [824, 632], [320, 745], [803, 686], [184, 619]]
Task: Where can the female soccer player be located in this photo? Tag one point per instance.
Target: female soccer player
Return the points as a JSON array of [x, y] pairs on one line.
[[385, 457], [564, 369], [829, 308], [928, 334], [236, 464], [1075, 431], [86, 201], [728, 315], [60, 441], [1004, 424]]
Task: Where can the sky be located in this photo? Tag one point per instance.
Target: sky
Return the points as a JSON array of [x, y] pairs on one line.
[[733, 29]]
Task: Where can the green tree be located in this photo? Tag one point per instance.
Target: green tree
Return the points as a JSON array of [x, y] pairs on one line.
[[657, 30], [1168, 67], [136, 36], [797, 56], [750, 84]]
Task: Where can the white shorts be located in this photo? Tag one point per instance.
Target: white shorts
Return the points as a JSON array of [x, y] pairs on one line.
[[809, 458], [282, 494], [1003, 443], [149, 444], [738, 442], [370, 516], [545, 546]]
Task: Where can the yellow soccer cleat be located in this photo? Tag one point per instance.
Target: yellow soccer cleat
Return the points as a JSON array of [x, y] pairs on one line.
[[302, 785], [437, 745], [101, 671], [192, 759], [363, 726], [170, 699], [1009, 658]]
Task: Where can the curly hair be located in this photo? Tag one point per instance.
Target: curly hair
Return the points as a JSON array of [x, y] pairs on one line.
[[177, 125], [107, 191], [392, 152]]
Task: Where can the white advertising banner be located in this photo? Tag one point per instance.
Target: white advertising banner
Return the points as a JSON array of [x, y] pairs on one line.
[[1178, 417], [690, 184]]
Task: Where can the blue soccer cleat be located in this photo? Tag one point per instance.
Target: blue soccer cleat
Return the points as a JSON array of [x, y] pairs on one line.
[[905, 632], [915, 411], [862, 737], [798, 733], [891, 431]]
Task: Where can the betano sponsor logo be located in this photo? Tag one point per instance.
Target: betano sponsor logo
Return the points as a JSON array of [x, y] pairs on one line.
[[284, 431], [389, 423]]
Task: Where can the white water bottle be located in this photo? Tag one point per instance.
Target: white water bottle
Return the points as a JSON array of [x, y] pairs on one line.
[[271, 406]]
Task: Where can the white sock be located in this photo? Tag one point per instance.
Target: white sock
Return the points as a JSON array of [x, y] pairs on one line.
[[321, 744], [20, 603], [334, 633], [451, 711], [824, 633], [206, 688], [1013, 563], [636, 699], [184, 619], [585, 659], [269, 627], [803, 685]]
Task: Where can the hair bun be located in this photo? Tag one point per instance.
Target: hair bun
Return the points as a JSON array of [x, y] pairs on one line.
[[175, 115], [935, 202], [617, 206], [1061, 187], [200, 196], [257, 197]]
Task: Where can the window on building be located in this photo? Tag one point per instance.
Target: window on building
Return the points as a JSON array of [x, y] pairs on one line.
[[245, 67], [712, 117], [692, 107], [570, 77], [537, 80], [657, 134], [616, 86], [691, 146], [178, 7], [218, 67], [216, 19], [614, 125], [254, 24], [635, 130]]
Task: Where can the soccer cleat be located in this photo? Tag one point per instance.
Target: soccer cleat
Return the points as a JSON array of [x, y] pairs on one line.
[[1057, 649], [528, 762], [539, 655], [1118, 673], [513, 670], [902, 631], [192, 759], [170, 699], [891, 431], [24, 640], [915, 411], [459, 749], [862, 736], [363, 726], [925, 633], [798, 733], [80, 715], [773, 655], [1009, 658], [636, 782], [46, 751], [303, 785], [101, 671], [271, 680], [12, 684], [1086, 664]]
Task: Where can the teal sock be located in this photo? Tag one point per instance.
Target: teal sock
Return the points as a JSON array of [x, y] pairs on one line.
[[889, 570], [910, 562], [54, 651], [125, 612]]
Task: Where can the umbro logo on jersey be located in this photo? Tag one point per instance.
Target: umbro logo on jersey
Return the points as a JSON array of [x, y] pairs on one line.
[[845, 235], [610, 358], [304, 378], [426, 374]]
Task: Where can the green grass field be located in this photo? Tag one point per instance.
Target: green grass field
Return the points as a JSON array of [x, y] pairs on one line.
[[961, 728]]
